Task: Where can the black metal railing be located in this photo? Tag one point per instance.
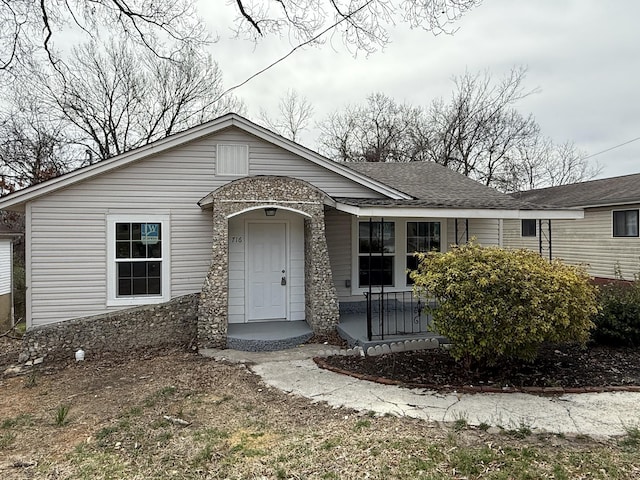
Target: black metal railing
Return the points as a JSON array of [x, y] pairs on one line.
[[392, 314]]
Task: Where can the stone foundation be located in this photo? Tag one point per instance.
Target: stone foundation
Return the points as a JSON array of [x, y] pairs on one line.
[[171, 324]]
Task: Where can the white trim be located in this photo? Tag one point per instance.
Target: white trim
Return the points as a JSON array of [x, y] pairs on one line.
[[400, 254], [112, 300], [425, 212], [20, 197], [269, 205]]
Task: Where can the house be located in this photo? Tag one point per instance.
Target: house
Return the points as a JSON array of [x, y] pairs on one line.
[[7, 237], [221, 231], [606, 240]]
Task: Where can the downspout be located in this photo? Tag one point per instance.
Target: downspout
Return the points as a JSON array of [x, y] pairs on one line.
[[550, 256]]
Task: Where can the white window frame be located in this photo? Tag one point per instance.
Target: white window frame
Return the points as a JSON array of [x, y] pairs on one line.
[[165, 296], [408, 253], [240, 159], [399, 274], [393, 255], [613, 224]]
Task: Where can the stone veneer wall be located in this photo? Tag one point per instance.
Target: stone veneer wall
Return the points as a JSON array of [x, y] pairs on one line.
[[321, 304], [166, 324]]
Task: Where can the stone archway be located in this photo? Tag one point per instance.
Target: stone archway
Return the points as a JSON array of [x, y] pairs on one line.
[[321, 305]]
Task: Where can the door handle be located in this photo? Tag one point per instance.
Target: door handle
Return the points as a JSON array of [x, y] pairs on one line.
[[283, 282]]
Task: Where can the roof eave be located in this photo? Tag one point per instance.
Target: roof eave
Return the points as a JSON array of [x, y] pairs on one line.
[[433, 212]]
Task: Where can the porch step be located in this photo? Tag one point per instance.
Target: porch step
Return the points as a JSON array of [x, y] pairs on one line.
[[267, 336]]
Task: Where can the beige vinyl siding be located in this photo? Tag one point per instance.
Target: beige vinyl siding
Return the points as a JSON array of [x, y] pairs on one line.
[[5, 266], [486, 231], [588, 241], [268, 159], [68, 227]]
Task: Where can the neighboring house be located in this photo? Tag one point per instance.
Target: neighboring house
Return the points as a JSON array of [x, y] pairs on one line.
[[260, 228], [606, 240], [7, 238]]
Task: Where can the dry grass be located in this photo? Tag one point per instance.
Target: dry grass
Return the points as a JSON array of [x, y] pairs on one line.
[[240, 428]]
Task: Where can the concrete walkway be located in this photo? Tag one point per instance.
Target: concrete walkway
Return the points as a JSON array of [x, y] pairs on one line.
[[293, 371]]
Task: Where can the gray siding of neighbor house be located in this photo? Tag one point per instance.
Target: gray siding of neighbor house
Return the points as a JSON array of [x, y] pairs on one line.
[[5, 265], [485, 230], [68, 228], [5, 284], [588, 241]]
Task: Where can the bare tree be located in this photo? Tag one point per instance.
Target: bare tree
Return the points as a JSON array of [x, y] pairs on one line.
[[117, 97], [361, 23], [30, 27], [545, 164], [380, 131], [294, 115], [479, 131], [32, 145]]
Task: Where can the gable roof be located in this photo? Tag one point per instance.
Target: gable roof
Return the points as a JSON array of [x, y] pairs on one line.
[[594, 193], [431, 184], [19, 198], [439, 191]]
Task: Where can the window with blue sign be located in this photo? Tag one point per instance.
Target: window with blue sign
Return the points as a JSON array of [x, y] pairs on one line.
[[138, 256]]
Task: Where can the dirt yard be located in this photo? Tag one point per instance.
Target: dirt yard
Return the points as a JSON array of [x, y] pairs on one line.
[[174, 414]]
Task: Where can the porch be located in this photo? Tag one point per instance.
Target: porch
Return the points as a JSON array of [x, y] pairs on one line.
[[378, 319], [385, 317]]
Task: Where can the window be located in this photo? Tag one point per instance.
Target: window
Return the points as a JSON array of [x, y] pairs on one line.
[[528, 227], [233, 160], [376, 251], [421, 237], [138, 260], [625, 223]]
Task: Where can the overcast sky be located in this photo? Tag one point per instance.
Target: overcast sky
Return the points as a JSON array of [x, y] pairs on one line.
[[582, 55]]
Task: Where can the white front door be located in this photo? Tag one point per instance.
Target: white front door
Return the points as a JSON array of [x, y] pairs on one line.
[[267, 271]]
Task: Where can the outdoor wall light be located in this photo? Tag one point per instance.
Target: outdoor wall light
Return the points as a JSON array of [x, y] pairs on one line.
[[270, 211]]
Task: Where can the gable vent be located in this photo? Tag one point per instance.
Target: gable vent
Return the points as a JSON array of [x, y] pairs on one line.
[[232, 160]]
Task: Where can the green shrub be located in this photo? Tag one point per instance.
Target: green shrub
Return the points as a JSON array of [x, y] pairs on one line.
[[618, 322], [495, 303]]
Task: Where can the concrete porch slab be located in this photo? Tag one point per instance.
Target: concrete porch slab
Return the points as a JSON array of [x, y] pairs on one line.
[[267, 336], [353, 328]]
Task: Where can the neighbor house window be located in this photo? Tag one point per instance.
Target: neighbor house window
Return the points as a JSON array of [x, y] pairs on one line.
[[528, 227], [232, 160], [625, 223], [422, 237], [376, 253], [138, 265]]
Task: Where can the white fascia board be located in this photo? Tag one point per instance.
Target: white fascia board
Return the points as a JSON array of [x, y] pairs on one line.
[[611, 205], [419, 212]]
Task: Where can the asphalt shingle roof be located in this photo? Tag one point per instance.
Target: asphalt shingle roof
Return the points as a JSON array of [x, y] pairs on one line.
[[606, 191], [434, 186]]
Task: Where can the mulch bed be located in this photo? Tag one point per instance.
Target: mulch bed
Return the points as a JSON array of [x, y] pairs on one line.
[[560, 367]]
